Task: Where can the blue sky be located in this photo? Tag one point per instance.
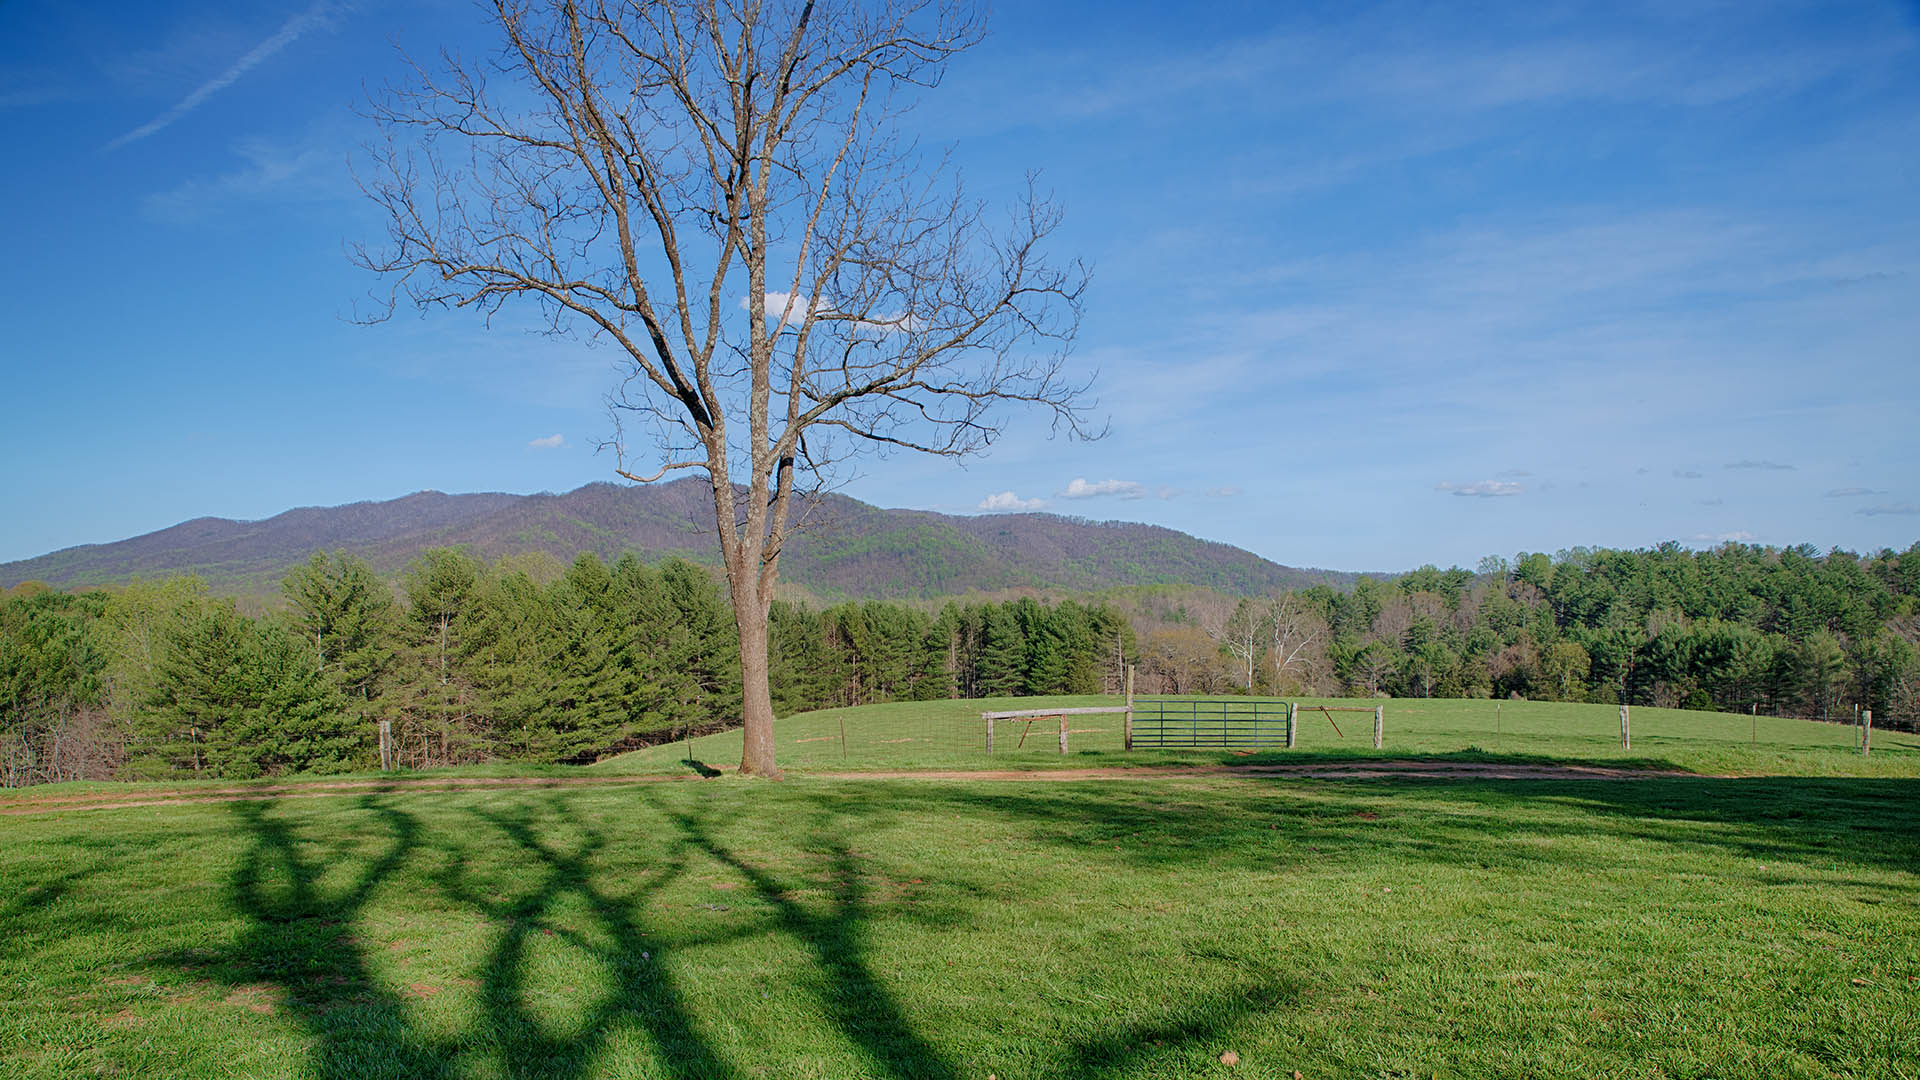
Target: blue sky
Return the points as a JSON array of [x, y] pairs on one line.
[[1374, 285]]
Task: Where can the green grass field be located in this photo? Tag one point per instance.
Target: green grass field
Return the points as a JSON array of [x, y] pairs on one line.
[[950, 734], [1681, 926]]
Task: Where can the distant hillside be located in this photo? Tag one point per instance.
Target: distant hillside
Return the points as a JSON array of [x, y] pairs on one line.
[[849, 550]]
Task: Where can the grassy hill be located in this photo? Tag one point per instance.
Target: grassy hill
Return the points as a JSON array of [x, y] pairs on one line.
[[950, 735], [850, 549]]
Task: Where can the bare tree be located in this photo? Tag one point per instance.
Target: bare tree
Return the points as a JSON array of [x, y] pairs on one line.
[[1242, 634], [1295, 629], [720, 191]]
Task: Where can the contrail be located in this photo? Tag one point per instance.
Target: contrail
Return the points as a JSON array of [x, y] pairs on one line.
[[287, 35]]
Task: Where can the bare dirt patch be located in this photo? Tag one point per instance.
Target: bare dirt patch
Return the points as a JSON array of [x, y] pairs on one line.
[[256, 997], [1357, 770]]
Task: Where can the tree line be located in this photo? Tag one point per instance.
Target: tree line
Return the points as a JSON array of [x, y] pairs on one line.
[[522, 659], [1786, 631], [527, 659]]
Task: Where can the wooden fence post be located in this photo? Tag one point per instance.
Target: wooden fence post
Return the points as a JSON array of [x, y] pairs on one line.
[[1379, 725], [1626, 732], [1126, 724], [1293, 716], [1866, 731], [988, 717], [1063, 733], [386, 746]]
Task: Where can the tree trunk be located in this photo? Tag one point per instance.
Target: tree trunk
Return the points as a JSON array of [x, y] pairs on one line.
[[756, 700]]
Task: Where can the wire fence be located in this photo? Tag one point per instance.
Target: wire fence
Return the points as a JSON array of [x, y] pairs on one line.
[[1026, 731]]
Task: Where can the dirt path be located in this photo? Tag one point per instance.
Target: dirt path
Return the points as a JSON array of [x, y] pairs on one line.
[[1370, 770]]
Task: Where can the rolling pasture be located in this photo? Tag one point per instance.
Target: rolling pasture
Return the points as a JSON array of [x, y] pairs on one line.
[[1762, 923], [950, 734]]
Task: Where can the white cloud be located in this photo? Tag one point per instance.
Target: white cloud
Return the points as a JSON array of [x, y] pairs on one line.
[[1227, 491], [1889, 508], [289, 32], [1007, 501], [1688, 474], [1738, 536], [1849, 492], [1751, 464], [783, 308], [1081, 489], [787, 310], [548, 442], [1485, 489]]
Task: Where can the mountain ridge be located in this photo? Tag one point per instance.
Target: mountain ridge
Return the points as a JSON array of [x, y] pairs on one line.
[[851, 549]]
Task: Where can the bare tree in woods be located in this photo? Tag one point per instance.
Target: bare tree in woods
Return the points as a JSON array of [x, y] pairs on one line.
[[1295, 629], [720, 191], [1242, 634]]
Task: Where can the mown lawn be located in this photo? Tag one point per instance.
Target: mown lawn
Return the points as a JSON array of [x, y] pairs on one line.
[[1678, 927], [950, 734]]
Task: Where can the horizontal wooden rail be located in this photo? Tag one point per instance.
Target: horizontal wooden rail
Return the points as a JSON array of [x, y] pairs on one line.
[[1030, 715], [1022, 713]]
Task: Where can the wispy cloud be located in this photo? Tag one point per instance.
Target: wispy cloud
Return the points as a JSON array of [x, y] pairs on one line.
[[1485, 489], [1688, 474], [1008, 502], [1226, 491], [1738, 536], [1889, 508], [548, 442], [1750, 464], [305, 171], [313, 18], [21, 97], [1080, 488], [1850, 492]]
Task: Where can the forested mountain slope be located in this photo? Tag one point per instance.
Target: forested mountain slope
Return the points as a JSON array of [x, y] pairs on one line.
[[849, 550]]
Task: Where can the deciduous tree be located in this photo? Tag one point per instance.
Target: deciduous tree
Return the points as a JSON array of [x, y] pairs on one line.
[[721, 192]]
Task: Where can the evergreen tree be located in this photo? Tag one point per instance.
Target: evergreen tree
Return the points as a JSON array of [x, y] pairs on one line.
[[1000, 667], [347, 614], [236, 698]]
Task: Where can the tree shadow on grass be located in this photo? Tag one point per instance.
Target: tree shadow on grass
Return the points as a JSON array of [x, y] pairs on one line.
[[540, 875], [1864, 822], [859, 1003], [642, 995], [297, 950]]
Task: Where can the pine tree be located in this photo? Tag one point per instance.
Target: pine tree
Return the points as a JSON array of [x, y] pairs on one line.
[[239, 699], [1001, 665], [347, 614]]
